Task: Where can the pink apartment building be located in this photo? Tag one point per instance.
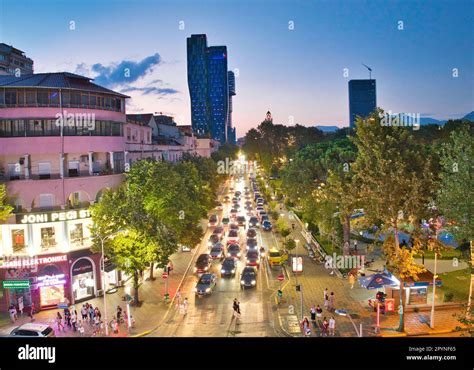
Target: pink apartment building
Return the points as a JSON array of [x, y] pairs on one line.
[[61, 144]]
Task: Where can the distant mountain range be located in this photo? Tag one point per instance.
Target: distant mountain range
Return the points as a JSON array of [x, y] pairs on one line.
[[423, 121]]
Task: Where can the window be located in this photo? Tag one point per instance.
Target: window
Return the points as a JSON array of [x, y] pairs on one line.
[[107, 102], [2, 96], [66, 98], [54, 98], [30, 98], [85, 100], [129, 133], [21, 97], [75, 99], [42, 98], [48, 237], [44, 171], [73, 169], [46, 201], [14, 171], [93, 100], [18, 241], [10, 97]]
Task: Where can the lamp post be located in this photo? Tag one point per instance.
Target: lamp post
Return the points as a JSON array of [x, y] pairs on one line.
[[102, 239]]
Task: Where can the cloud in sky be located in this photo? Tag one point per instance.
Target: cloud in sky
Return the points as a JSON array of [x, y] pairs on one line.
[[126, 76]]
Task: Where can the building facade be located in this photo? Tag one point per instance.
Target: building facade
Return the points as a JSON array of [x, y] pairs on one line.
[[208, 82], [61, 145], [14, 61], [362, 99], [231, 136]]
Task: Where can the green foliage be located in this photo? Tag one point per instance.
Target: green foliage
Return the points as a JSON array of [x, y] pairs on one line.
[[5, 209], [290, 244], [282, 227], [456, 189]]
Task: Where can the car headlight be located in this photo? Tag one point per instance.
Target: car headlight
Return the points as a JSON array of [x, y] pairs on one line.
[[253, 282], [195, 289], [206, 268], [222, 271], [242, 282], [238, 254], [233, 270], [208, 290], [248, 260], [195, 269]]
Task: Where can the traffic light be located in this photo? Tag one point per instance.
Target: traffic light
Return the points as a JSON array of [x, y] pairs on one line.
[[280, 293], [298, 288]]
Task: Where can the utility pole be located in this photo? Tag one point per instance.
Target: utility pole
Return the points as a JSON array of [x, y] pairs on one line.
[[370, 70]]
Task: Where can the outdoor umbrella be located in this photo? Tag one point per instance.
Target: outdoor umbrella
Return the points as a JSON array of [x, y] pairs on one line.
[[377, 281]]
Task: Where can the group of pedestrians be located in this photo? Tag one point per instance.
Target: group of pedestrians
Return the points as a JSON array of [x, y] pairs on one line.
[[70, 319]]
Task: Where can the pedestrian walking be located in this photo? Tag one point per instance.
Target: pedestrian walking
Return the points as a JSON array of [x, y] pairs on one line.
[[119, 314], [84, 312], [32, 312], [80, 328], [91, 315], [306, 328], [332, 326], [326, 301], [185, 306], [313, 313], [351, 280], [73, 320], [178, 298], [59, 321], [324, 329], [326, 293], [319, 311], [96, 325], [355, 245], [67, 317], [331, 301], [12, 311]]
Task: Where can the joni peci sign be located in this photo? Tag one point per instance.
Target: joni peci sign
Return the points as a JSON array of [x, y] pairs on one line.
[[14, 284], [36, 218]]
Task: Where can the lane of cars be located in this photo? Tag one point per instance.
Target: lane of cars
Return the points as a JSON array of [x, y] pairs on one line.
[[233, 241]]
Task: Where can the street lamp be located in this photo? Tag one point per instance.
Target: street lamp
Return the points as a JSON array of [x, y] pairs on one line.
[[102, 239]]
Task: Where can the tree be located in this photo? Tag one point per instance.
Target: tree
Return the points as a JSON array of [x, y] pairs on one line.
[[456, 189], [394, 182], [5, 209]]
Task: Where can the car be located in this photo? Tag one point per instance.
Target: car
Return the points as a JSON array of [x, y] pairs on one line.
[[233, 213], [251, 234], [237, 194], [252, 258], [260, 214], [234, 226], [225, 221], [252, 244], [248, 203], [267, 225], [213, 239], [253, 222], [219, 231], [206, 284], [226, 199], [33, 330], [228, 267], [233, 250], [248, 277], [260, 200], [232, 236], [203, 263], [213, 221], [277, 257], [219, 206], [264, 218], [241, 221], [250, 213], [236, 206], [260, 208], [235, 200], [217, 252]]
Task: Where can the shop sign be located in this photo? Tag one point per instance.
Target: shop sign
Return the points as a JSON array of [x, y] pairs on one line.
[[389, 304], [15, 284], [82, 266], [51, 280], [37, 218], [297, 264], [21, 262]]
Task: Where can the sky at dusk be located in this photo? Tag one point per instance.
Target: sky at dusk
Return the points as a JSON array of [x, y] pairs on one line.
[[297, 74]]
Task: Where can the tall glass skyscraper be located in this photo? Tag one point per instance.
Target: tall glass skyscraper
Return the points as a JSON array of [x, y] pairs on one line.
[[230, 130], [209, 89], [197, 83], [362, 99]]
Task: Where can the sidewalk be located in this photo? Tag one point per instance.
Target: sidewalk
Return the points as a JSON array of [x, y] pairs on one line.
[[148, 316]]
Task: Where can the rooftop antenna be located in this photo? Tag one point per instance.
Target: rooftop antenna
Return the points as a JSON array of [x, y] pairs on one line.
[[370, 70]]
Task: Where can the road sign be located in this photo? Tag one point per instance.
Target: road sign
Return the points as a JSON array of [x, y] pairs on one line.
[[281, 277], [165, 275], [291, 309], [15, 284]]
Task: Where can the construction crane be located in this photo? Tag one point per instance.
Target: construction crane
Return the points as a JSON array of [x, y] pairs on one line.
[[370, 70]]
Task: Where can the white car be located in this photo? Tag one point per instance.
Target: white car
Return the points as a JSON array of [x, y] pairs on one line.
[[33, 330]]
